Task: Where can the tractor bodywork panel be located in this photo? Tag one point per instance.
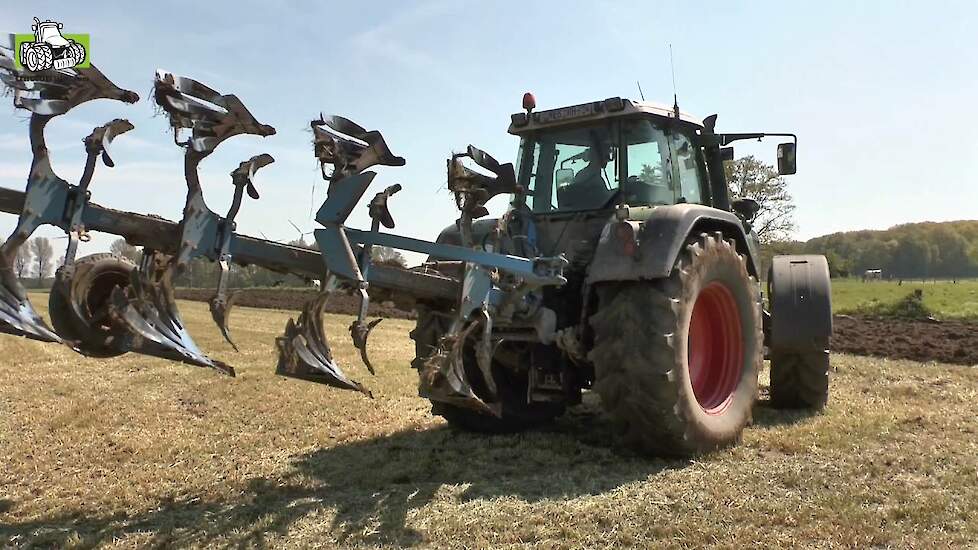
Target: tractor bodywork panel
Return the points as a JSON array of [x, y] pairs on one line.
[[615, 107], [660, 233]]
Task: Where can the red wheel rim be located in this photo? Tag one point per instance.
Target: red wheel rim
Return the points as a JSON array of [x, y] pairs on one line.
[[715, 351]]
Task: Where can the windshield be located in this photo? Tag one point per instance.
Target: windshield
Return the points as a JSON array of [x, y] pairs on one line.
[[570, 169]]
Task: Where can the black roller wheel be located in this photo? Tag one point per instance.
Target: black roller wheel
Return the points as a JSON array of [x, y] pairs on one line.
[[79, 301], [800, 380]]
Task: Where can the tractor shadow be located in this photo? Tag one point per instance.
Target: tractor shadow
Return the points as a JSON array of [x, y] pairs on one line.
[[368, 489], [768, 416], [372, 487]]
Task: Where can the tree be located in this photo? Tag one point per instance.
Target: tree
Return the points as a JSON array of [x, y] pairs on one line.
[[43, 254], [838, 266], [22, 262], [651, 175], [120, 247], [750, 178], [301, 243], [912, 257], [385, 255]]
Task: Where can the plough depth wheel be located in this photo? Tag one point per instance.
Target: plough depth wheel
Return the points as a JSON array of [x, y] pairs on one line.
[[79, 304]]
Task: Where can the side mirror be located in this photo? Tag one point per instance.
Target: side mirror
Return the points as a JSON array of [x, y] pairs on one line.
[[563, 176], [746, 208], [786, 159]]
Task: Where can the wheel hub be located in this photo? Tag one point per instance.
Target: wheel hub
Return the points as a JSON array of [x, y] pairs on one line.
[[715, 348]]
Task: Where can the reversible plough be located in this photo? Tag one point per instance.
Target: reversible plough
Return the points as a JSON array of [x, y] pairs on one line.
[[105, 310]]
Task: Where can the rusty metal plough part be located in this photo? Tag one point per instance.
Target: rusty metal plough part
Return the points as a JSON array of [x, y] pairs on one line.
[[304, 351], [243, 180], [498, 285], [96, 145], [50, 199], [347, 254], [147, 307], [148, 310]]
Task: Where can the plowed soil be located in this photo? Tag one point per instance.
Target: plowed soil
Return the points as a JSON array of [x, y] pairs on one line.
[[945, 342], [953, 342]]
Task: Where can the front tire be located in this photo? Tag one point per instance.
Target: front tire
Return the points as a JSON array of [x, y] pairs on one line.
[[39, 57], [676, 359]]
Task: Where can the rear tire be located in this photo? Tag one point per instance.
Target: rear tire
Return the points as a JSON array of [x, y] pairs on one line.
[[511, 383], [800, 380], [79, 301], [77, 51], [676, 359], [39, 57]]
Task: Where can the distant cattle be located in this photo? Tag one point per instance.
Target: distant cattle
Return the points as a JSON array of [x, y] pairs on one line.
[[872, 275]]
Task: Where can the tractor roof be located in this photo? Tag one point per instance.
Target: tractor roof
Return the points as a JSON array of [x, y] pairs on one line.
[[596, 110]]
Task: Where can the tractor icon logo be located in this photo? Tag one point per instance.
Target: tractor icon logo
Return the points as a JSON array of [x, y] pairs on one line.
[[48, 48]]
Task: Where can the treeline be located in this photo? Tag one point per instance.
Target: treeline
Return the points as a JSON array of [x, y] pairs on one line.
[[917, 250]]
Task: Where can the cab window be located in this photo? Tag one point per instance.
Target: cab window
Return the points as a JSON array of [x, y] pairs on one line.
[[650, 177], [572, 169], [662, 165]]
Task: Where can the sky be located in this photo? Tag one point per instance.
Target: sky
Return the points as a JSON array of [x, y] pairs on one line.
[[882, 95]]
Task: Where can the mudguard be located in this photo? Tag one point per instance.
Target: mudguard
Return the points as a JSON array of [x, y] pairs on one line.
[[800, 297], [661, 232]]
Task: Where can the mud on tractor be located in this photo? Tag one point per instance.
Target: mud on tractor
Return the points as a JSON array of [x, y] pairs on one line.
[[50, 49], [621, 266]]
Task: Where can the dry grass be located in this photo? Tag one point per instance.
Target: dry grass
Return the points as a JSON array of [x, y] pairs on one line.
[[137, 451]]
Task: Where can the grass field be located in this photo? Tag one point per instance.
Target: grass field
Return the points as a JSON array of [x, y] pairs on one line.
[[946, 299], [136, 451]]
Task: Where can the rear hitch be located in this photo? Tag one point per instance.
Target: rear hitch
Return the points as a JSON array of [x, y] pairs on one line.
[[443, 376]]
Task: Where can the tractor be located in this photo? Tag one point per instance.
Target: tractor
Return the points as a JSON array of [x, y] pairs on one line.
[[50, 49], [662, 313], [621, 266]]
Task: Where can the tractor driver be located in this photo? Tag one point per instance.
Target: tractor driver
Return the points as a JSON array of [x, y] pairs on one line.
[[589, 188]]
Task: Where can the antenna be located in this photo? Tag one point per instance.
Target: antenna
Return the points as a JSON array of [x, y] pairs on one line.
[[640, 94], [675, 95]]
